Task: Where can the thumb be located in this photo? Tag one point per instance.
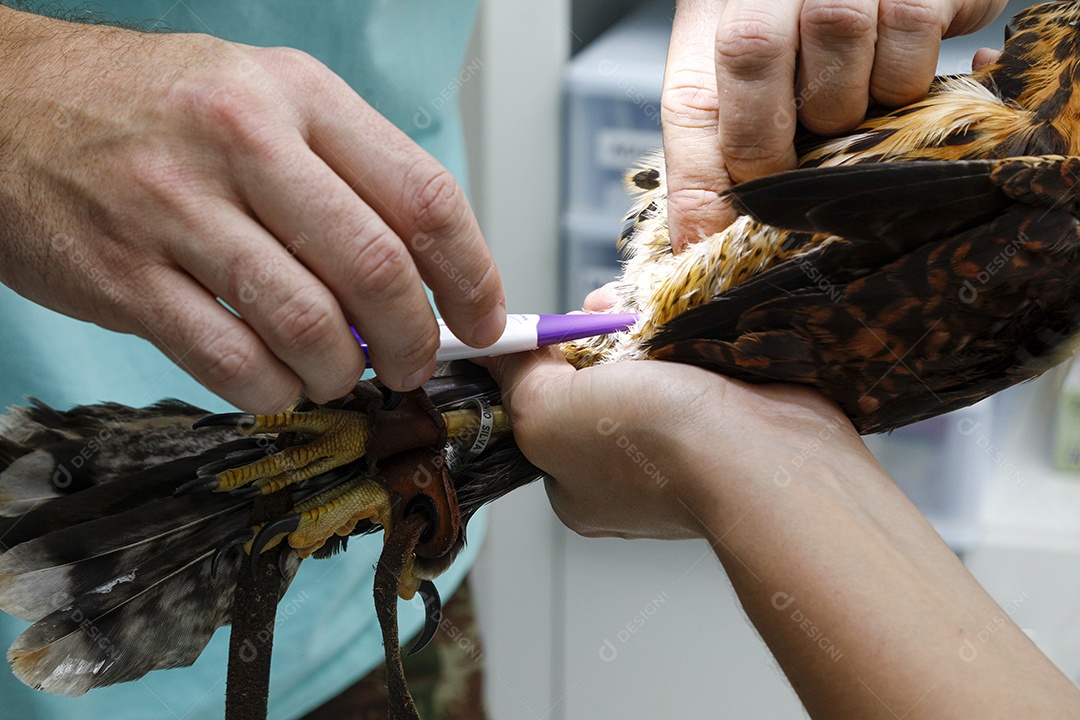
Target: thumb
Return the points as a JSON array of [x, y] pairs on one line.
[[984, 57], [528, 378]]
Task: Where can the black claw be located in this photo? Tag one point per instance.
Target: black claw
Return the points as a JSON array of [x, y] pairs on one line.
[[246, 492], [280, 526], [433, 615], [233, 420], [199, 484], [232, 460], [239, 537]]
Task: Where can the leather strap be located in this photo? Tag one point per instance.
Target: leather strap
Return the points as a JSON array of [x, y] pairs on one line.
[[255, 601], [400, 544], [406, 449]]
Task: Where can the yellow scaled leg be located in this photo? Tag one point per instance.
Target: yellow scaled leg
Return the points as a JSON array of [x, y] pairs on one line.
[[337, 511], [338, 437]]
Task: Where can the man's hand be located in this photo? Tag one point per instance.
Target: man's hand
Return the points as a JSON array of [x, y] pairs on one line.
[[146, 176], [740, 73]]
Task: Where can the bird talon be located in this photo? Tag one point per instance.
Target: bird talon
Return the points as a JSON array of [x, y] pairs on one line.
[[334, 438], [241, 537], [337, 511], [432, 615], [270, 535]]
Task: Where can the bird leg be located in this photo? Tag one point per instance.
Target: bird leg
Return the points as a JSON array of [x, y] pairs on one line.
[[338, 438]]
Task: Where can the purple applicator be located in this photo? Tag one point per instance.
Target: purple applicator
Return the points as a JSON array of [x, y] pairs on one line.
[[528, 332]]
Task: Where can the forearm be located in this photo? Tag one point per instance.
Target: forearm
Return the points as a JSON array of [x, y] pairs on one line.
[[866, 609], [20, 34]]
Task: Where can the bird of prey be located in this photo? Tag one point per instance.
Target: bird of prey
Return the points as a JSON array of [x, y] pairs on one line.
[[925, 260]]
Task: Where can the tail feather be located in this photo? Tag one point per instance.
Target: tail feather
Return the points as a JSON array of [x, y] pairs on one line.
[[43, 574], [115, 571], [91, 445], [156, 616], [101, 500]]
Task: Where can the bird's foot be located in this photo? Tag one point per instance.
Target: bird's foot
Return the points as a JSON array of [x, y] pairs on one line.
[[332, 512], [353, 467], [335, 438]]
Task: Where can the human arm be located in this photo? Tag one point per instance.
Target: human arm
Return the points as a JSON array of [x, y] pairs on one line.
[[142, 176], [816, 539], [740, 73]]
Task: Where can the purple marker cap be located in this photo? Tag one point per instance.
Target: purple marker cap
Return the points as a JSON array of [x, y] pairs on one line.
[[528, 332], [555, 329]]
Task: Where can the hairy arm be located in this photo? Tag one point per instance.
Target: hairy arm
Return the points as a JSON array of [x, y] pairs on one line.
[[143, 177]]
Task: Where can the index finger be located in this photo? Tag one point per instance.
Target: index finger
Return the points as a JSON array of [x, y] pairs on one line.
[[689, 112], [756, 47], [422, 203]]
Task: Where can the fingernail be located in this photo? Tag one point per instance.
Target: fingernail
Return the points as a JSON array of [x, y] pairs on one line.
[[491, 327], [417, 378]]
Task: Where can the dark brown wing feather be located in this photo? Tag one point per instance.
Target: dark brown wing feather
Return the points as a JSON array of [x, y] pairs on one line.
[[937, 312]]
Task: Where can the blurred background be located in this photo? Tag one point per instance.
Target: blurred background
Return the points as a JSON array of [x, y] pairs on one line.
[[577, 628]]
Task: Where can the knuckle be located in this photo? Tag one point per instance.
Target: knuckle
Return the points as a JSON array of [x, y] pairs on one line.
[[416, 349], [380, 265], [749, 45], [824, 121], [294, 62], [156, 174], [690, 201], [242, 114], [912, 16], [837, 20], [832, 114], [748, 151], [224, 101], [436, 200], [228, 361], [299, 69], [306, 320], [689, 105], [746, 162]]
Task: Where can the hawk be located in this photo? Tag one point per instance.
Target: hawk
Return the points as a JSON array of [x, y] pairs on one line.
[[924, 261]]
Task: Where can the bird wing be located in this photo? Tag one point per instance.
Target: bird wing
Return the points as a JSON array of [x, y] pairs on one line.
[[951, 281]]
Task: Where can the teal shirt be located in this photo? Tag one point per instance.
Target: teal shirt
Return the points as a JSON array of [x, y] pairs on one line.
[[402, 56]]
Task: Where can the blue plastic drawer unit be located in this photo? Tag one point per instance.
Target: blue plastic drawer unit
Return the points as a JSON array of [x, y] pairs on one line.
[[612, 119]]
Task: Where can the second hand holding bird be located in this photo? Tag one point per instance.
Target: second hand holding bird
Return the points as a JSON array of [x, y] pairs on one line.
[[662, 450]]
